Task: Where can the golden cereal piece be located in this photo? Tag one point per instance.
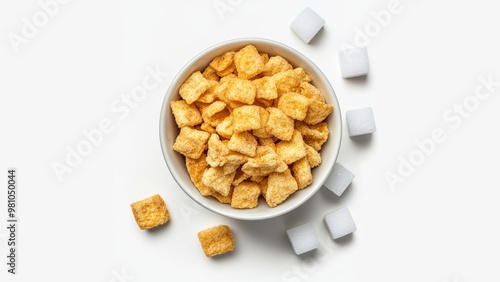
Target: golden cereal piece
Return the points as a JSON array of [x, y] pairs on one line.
[[196, 168], [240, 90], [317, 131], [212, 109], [317, 112], [210, 74], [239, 177], [294, 105], [233, 162], [264, 163], [243, 142], [264, 117], [217, 118], [207, 128], [229, 70], [290, 80], [302, 173], [248, 62], [279, 187], [313, 156], [311, 92], [293, 150], [216, 240], [193, 87], [267, 142], [191, 142], [315, 143], [265, 88], [263, 187], [223, 61], [257, 179], [185, 114], [264, 103], [215, 178], [209, 96], [225, 128], [150, 212], [265, 57], [275, 65], [217, 151], [245, 195], [246, 118], [279, 124], [224, 199]]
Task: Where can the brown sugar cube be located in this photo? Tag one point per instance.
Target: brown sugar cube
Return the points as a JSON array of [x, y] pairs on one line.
[[223, 61], [302, 173], [279, 187], [275, 65], [216, 240], [246, 118], [313, 156], [279, 124], [248, 62], [317, 112], [185, 114], [243, 142], [293, 150], [290, 80], [215, 178], [150, 212], [193, 87], [241, 90], [311, 92], [191, 142], [245, 195], [294, 105], [196, 168]]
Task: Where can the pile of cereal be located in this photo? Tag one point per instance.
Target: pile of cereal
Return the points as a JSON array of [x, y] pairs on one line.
[[250, 125]]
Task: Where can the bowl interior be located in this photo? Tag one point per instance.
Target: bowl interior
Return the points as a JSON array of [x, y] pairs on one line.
[[176, 162]]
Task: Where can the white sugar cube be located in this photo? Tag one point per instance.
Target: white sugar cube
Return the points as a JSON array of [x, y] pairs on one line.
[[303, 238], [339, 179], [339, 223], [360, 121], [307, 24], [354, 62]]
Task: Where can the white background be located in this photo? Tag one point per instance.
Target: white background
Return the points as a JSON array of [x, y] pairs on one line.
[[440, 224]]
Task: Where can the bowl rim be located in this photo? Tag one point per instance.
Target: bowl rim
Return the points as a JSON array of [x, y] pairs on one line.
[[200, 55]]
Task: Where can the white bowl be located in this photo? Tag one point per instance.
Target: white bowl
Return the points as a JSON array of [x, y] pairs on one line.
[[176, 162]]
